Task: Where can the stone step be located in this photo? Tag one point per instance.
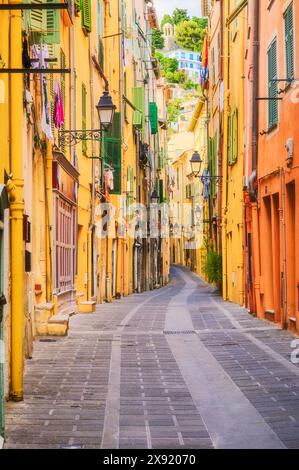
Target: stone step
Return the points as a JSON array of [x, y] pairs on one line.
[[58, 325], [42, 313], [87, 306]]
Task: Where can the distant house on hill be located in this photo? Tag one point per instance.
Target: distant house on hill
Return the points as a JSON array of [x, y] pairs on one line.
[[189, 61]]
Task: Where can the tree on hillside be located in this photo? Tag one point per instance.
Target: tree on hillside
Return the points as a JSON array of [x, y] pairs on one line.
[[166, 19], [180, 15], [202, 22], [157, 40], [190, 35]]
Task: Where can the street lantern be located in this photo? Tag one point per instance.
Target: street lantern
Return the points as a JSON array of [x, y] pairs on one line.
[[106, 110], [154, 197], [196, 163]]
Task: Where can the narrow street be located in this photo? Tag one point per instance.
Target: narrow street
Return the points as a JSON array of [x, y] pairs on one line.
[[171, 368]]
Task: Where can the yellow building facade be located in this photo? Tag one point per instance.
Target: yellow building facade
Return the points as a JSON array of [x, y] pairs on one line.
[[56, 170], [233, 155]]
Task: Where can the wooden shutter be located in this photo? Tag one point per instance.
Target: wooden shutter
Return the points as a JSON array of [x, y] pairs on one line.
[[153, 114], [139, 102], [36, 23], [77, 4], [52, 19], [161, 191], [289, 41], [230, 138], [44, 25], [235, 140], [63, 90], [272, 85], [84, 94], [86, 15], [112, 151]]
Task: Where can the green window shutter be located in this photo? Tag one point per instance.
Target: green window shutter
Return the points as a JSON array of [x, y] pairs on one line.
[[35, 23], [52, 19], [112, 151], [86, 15], [101, 44], [139, 102], [272, 85], [125, 91], [77, 4], [213, 164], [63, 87], [124, 17], [289, 40], [230, 139], [84, 94], [235, 140], [153, 113], [161, 191]]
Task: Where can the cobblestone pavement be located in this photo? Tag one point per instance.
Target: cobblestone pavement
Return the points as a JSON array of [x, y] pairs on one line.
[[173, 368]]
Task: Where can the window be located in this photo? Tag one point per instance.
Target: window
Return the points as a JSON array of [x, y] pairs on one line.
[[289, 41], [198, 58], [272, 85], [177, 55], [191, 66], [65, 244], [183, 55], [191, 56]]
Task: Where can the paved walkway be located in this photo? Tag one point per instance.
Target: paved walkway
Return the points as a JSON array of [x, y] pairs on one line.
[[172, 368]]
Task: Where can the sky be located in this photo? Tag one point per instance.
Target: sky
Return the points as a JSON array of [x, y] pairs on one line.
[[167, 6]]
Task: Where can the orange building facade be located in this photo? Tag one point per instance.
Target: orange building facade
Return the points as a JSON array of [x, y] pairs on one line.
[[271, 246]]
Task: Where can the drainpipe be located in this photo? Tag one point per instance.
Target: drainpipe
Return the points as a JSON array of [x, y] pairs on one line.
[[254, 156], [91, 221], [15, 189], [226, 54], [284, 249], [255, 109]]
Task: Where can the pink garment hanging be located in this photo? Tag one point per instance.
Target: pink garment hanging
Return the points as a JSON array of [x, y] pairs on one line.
[[58, 115]]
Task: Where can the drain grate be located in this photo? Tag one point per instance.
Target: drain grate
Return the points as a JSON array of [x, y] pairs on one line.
[[181, 332]]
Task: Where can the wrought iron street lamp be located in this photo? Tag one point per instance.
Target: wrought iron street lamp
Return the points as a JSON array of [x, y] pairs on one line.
[[196, 163], [106, 110], [154, 197]]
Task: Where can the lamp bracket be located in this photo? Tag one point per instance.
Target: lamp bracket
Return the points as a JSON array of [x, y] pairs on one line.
[[71, 137]]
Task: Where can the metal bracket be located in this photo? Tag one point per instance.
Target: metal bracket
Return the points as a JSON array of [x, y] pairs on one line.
[[37, 70], [74, 137], [34, 6]]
